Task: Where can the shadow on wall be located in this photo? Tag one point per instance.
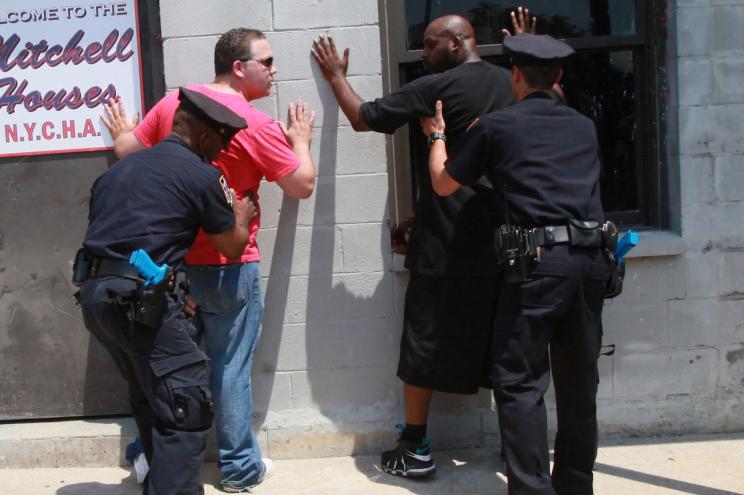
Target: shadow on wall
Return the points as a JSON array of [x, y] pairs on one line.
[[350, 347]]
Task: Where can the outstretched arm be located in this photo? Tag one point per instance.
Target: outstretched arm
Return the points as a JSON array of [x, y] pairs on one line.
[[441, 180], [334, 70]]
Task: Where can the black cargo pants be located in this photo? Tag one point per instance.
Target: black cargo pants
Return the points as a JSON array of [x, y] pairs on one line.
[[168, 382], [553, 321]]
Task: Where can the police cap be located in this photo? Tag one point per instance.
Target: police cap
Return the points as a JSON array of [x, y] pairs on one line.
[[536, 50], [217, 116]]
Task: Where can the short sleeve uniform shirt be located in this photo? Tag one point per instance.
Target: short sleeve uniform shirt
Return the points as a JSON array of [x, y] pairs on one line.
[[544, 152], [453, 234], [156, 200]]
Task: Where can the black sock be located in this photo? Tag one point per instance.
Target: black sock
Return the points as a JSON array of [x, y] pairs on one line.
[[414, 433]]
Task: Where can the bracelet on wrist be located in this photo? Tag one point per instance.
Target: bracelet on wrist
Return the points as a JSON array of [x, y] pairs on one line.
[[435, 136]]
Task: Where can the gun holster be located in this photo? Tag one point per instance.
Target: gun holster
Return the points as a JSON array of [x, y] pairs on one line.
[[150, 303], [617, 269]]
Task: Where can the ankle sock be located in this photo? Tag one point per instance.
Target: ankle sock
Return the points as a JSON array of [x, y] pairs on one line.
[[414, 433]]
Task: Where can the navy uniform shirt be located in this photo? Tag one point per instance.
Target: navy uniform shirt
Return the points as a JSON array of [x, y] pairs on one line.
[[547, 155], [452, 234], [156, 200]]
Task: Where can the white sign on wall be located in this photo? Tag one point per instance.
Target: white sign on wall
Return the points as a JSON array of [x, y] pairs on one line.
[[59, 63]]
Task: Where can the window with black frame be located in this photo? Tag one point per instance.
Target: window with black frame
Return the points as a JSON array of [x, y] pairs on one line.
[[614, 79], [151, 44]]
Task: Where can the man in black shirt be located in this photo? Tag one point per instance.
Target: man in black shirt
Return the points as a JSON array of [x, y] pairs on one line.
[[157, 200], [450, 254], [547, 157]]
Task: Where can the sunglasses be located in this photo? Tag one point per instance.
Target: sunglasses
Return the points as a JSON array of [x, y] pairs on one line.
[[267, 62]]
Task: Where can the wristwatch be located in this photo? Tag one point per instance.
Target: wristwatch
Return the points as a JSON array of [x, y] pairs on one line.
[[434, 136]]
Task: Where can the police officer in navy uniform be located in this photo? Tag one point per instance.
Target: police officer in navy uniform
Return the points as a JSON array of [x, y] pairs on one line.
[[157, 200], [542, 158]]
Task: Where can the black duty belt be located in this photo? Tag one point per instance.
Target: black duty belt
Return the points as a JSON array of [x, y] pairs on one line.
[[102, 267], [577, 233], [551, 234]]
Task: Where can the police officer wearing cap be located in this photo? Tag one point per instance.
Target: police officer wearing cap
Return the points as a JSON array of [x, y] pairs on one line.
[[542, 158], [157, 200]]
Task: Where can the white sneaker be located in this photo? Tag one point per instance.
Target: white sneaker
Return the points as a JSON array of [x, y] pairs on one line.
[[141, 467], [268, 472]]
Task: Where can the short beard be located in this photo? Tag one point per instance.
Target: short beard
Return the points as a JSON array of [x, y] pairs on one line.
[[445, 65]]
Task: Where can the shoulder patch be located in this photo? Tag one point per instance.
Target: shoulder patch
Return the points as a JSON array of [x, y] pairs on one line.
[[226, 190], [477, 119]]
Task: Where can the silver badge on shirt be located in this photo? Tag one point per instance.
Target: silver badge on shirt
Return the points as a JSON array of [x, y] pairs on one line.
[[226, 190]]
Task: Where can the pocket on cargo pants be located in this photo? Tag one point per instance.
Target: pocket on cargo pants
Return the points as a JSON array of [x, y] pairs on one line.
[[182, 398]]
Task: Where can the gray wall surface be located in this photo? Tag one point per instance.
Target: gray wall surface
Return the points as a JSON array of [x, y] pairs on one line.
[[50, 366], [325, 371]]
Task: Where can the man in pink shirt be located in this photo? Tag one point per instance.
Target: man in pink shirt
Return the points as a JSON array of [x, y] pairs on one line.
[[228, 291]]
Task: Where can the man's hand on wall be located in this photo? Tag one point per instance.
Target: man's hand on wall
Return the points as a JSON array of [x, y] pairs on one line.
[[117, 122], [521, 22], [299, 128], [325, 53]]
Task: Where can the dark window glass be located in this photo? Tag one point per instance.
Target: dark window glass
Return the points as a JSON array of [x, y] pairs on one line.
[[602, 86], [560, 18]]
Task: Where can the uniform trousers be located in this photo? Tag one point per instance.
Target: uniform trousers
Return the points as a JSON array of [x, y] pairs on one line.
[[168, 381], [553, 321]]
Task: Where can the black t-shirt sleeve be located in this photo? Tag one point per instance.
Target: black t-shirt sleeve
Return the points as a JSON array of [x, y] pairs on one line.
[[467, 161], [217, 215], [390, 112]]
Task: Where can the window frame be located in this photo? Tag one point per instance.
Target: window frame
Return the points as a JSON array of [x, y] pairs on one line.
[[151, 46], [649, 47]]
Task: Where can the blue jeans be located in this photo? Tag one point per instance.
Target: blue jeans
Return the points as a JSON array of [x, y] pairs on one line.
[[231, 306]]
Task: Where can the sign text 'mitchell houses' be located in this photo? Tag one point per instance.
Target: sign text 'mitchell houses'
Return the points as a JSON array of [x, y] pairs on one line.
[[37, 55]]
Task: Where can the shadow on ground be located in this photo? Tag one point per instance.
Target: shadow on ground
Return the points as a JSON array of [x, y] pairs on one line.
[[127, 486], [464, 472]]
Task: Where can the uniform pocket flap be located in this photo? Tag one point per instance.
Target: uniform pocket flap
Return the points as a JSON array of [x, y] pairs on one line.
[[162, 367]]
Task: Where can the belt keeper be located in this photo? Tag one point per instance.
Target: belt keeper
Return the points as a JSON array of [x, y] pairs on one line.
[[549, 236], [94, 265]]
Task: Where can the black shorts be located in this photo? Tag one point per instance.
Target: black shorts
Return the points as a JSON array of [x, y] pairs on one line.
[[446, 340]]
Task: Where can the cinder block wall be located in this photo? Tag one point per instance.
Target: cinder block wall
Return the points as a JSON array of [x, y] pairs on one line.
[[324, 375], [679, 326]]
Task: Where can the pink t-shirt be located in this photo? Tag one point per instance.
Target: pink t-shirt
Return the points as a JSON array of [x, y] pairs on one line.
[[260, 150]]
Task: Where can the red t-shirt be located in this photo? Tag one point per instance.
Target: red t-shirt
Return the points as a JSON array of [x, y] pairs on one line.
[[258, 151]]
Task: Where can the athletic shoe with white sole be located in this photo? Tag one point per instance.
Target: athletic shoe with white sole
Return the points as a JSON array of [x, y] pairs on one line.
[[409, 459]]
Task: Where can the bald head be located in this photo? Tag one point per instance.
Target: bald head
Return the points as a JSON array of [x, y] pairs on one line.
[[449, 41], [452, 25]]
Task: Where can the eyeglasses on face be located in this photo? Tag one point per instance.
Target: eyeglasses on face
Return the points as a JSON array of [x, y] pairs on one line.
[[267, 62]]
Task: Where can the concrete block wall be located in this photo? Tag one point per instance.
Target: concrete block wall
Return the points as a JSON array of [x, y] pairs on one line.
[[679, 326], [325, 371]]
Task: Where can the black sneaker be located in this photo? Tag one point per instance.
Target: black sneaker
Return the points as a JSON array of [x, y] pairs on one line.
[[409, 459]]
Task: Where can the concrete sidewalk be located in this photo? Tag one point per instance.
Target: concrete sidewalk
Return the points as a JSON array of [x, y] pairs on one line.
[[699, 465]]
